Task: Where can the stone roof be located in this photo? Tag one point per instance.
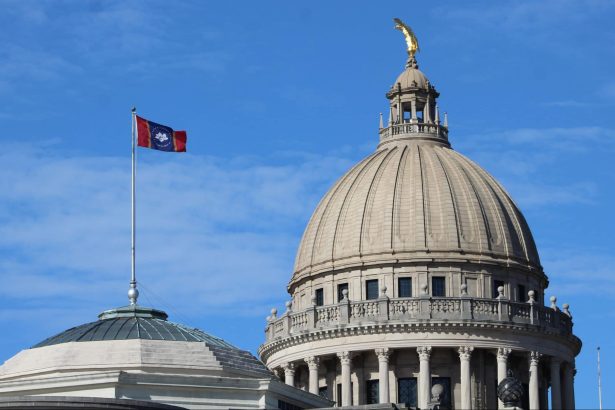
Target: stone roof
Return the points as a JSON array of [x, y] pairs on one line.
[[414, 200]]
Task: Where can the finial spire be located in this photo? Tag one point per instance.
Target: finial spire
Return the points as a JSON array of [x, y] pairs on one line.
[[411, 40], [381, 122]]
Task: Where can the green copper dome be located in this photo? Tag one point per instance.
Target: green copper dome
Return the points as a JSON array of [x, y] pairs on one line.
[[132, 322]]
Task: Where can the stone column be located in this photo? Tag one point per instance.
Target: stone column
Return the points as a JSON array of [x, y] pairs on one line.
[[569, 386], [313, 363], [556, 391], [289, 374], [534, 387], [346, 383], [424, 392], [502, 359], [465, 352], [383, 374]]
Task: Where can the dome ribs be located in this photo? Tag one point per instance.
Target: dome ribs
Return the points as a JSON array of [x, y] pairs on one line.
[[374, 209], [439, 221], [318, 219], [396, 194], [483, 213], [343, 238], [503, 211], [423, 203], [499, 236], [452, 194], [518, 221]]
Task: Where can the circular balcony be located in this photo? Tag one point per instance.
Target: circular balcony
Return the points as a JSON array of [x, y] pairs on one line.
[[414, 130], [419, 311]]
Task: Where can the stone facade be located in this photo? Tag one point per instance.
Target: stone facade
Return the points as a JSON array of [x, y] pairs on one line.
[[418, 268]]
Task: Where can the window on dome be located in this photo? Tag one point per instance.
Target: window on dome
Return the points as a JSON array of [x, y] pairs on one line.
[[371, 289], [438, 286], [340, 291], [320, 297], [496, 285], [404, 286]]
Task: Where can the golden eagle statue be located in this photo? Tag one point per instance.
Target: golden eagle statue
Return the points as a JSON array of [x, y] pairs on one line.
[[411, 40]]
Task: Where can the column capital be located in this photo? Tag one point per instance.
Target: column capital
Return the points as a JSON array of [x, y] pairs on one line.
[[535, 357], [465, 352], [503, 353], [424, 352], [556, 361], [288, 367], [312, 362], [344, 357], [383, 354]]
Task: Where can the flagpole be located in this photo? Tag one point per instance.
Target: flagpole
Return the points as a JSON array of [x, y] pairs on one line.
[[133, 293], [599, 381]]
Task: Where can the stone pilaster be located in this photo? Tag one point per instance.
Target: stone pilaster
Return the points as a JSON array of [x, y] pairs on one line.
[[289, 373], [502, 360], [534, 393], [424, 392], [465, 353], [346, 383], [556, 391], [383, 374], [313, 363]]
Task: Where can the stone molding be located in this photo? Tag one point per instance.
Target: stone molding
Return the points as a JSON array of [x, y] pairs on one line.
[[454, 327]]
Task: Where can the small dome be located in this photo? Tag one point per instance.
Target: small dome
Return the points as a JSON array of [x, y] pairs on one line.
[[133, 337], [415, 201], [412, 77]]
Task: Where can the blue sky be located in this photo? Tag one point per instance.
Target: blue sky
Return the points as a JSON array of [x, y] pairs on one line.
[[279, 99]]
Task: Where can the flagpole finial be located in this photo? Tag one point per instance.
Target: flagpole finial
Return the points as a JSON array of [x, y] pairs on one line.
[[134, 109], [133, 293]]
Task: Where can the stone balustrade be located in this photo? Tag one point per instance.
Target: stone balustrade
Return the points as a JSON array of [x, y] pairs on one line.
[[401, 310], [439, 131]]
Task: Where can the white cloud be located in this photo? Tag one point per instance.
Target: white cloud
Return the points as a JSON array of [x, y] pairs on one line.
[[217, 234]]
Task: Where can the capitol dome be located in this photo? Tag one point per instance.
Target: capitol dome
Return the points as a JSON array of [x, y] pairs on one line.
[[411, 200], [417, 269]]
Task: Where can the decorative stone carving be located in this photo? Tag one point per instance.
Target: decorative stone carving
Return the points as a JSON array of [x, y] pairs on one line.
[[424, 352], [503, 353], [465, 352], [344, 357], [383, 354], [313, 362], [534, 358]]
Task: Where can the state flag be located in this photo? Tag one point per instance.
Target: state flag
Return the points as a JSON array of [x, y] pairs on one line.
[[160, 137]]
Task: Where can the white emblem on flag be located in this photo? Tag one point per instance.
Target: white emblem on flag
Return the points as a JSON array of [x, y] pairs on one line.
[[162, 137]]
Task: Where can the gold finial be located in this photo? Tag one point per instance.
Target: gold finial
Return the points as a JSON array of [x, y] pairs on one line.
[[411, 40]]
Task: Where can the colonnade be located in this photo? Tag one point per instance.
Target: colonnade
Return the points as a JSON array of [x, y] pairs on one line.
[[561, 375]]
